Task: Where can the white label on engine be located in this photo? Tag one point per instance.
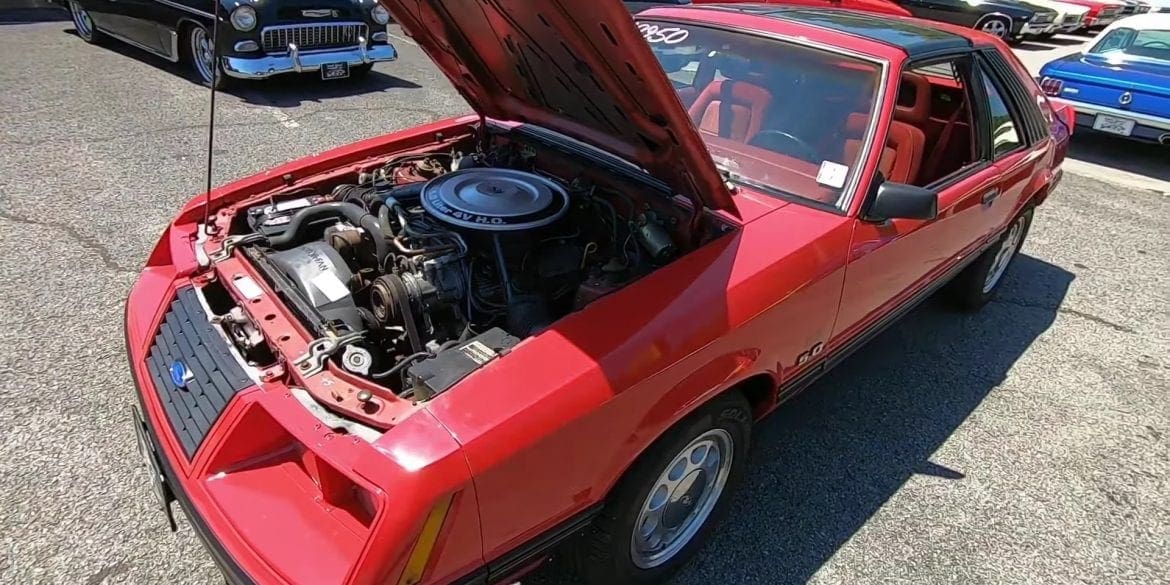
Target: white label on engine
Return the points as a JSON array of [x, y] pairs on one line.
[[478, 352], [331, 286], [293, 204], [247, 287]]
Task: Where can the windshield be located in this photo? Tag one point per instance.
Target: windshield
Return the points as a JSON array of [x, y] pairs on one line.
[[776, 114], [1122, 43]]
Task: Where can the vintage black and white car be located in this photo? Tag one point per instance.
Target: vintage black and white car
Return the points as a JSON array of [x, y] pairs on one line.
[[256, 39]]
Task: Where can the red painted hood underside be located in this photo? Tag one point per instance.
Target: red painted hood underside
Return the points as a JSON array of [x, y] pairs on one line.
[[579, 68]]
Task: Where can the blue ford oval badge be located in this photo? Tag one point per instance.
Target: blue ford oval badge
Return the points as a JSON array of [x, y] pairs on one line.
[[180, 374]]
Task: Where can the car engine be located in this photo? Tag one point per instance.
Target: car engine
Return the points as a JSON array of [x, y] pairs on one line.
[[431, 265]]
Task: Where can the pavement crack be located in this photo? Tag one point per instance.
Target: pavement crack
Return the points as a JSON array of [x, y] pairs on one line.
[[87, 242], [1097, 320], [1069, 311], [154, 131], [107, 572]]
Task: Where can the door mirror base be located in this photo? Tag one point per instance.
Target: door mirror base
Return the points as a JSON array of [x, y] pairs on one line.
[[900, 201]]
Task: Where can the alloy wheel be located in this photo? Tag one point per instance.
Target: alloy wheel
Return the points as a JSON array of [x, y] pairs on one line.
[[995, 27], [202, 56], [81, 20], [1003, 256], [682, 499]]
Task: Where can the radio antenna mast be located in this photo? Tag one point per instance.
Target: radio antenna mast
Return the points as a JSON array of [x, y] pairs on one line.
[[215, 73]]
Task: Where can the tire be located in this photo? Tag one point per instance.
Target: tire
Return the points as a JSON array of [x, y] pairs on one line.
[[978, 283], [996, 26], [83, 24], [196, 46], [609, 554]]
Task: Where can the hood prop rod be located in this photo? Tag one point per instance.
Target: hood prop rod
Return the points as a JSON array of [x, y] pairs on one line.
[[210, 228]]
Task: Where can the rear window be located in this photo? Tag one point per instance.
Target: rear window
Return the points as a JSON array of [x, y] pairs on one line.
[[780, 115], [1151, 44]]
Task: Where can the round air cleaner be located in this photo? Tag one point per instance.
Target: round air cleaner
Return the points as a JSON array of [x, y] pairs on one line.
[[497, 200]]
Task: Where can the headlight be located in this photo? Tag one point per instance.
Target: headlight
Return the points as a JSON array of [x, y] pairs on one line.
[[244, 18], [379, 14]]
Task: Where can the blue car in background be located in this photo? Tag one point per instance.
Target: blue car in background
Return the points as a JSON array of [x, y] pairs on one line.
[[1120, 85]]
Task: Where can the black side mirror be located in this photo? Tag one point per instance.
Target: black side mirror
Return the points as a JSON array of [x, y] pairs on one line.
[[901, 201]]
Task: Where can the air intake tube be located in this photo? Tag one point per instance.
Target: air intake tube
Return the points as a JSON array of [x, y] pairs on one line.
[[350, 211]]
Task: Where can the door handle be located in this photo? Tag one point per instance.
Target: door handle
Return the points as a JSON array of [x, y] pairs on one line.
[[989, 197]]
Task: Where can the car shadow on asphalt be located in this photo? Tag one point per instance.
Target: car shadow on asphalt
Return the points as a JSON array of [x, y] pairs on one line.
[[826, 462], [288, 91], [31, 15], [284, 91], [1148, 160]]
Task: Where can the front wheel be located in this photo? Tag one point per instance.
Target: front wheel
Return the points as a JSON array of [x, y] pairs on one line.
[[995, 26], [83, 23], [668, 503], [201, 56], [977, 284]]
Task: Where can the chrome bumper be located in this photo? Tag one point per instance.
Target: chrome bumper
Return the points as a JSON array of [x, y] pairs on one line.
[[296, 61], [1086, 109], [1038, 29]]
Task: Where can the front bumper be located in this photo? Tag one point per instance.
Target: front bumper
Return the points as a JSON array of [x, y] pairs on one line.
[[270, 480], [295, 61], [1038, 29], [232, 573]]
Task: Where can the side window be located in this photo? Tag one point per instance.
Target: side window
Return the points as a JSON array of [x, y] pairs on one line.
[[1025, 104], [935, 98], [1005, 132], [1118, 38]]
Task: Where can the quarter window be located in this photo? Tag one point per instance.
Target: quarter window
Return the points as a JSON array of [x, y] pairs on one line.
[[1005, 132]]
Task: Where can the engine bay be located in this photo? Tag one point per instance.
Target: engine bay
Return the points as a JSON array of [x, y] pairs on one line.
[[430, 265]]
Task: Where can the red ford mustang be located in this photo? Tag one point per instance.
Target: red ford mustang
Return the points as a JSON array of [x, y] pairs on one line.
[[434, 356]]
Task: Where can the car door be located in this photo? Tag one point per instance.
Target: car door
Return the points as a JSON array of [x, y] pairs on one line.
[[1016, 132], [138, 22], [892, 262]]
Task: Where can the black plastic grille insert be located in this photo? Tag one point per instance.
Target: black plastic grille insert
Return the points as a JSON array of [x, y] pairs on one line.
[[187, 336]]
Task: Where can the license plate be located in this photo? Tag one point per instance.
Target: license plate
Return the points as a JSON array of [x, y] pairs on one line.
[[335, 71], [158, 481], [1113, 125]]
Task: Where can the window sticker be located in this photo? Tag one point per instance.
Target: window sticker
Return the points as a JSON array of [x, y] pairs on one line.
[[663, 34], [832, 174]]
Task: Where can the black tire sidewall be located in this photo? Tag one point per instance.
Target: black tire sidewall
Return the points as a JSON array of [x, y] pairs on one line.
[[1007, 23], [607, 557], [95, 35], [188, 51], [967, 287]]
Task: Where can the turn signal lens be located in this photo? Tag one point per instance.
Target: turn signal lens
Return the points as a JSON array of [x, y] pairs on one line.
[[244, 18], [1051, 87], [379, 14]]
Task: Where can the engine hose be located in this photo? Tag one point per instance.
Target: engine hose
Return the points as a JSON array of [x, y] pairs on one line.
[[407, 191], [402, 298], [503, 265], [384, 221], [350, 211], [406, 361]]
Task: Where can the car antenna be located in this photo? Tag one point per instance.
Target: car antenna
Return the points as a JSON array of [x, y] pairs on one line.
[[209, 227]]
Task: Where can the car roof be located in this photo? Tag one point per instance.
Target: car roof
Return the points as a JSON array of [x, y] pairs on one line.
[[916, 38], [1150, 20]]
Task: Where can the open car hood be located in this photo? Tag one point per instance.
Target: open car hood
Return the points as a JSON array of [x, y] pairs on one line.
[[578, 68]]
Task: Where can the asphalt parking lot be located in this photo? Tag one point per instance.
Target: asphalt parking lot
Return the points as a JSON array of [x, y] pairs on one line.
[[1026, 444]]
